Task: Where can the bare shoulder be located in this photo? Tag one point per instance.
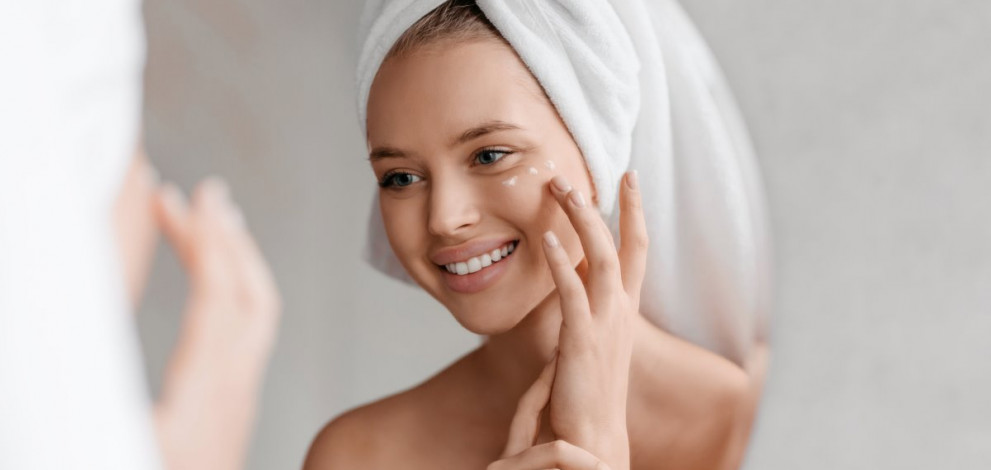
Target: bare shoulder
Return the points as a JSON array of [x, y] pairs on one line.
[[706, 400], [393, 432], [357, 438], [683, 375]]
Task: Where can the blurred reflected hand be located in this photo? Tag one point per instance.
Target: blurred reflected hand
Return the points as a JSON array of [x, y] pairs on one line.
[[210, 390]]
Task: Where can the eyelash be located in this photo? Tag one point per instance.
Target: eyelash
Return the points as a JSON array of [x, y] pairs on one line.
[[387, 179], [505, 153]]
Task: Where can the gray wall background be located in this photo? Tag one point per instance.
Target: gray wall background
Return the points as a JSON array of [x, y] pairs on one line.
[[872, 122]]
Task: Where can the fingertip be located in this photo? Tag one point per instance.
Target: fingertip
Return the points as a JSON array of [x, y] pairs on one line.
[[633, 180], [560, 184], [577, 199], [236, 216], [217, 185], [631, 194], [170, 191], [550, 240], [213, 190], [171, 200], [172, 214]]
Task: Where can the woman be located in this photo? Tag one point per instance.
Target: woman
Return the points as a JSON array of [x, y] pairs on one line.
[[489, 183]]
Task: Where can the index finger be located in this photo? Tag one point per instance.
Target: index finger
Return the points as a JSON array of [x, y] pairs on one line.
[[633, 236], [603, 263]]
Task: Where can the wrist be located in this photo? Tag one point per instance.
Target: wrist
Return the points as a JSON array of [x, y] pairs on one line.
[[610, 443], [614, 450]]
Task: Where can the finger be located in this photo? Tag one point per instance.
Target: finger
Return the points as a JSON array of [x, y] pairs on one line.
[[633, 236], [597, 243], [172, 215], [575, 310], [258, 284], [526, 422], [557, 454], [214, 259]]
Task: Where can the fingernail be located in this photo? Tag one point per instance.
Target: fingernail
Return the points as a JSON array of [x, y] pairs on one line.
[[561, 183], [632, 179], [577, 199], [550, 239]]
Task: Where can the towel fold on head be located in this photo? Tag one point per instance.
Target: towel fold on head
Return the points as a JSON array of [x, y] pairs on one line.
[[638, 89]]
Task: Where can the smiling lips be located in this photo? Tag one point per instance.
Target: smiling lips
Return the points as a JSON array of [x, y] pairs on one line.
[[474, 266], [476, 263]]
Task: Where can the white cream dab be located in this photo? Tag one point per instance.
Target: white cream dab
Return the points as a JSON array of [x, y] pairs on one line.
[[510, 182], [549, 164], [532, 171]]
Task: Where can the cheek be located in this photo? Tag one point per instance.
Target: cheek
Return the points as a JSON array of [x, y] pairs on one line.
[[403, 227], [523, 197]]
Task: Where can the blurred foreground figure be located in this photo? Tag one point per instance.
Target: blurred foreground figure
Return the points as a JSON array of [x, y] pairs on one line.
[[80, 210]]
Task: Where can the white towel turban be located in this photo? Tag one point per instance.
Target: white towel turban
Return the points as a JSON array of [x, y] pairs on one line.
[[72, 391], [638, 89]]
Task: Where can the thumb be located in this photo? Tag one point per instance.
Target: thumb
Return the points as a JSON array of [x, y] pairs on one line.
[[526, 423]]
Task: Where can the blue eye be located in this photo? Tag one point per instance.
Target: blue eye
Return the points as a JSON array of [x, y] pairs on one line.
[[398, 179], [490, 156]]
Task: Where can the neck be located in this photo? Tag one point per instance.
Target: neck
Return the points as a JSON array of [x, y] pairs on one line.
[[514, 359]]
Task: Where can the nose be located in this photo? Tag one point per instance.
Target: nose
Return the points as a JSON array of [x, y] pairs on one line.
[[453, 207]]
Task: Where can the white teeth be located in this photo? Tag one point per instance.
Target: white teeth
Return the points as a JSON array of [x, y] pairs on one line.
[[475, 264]]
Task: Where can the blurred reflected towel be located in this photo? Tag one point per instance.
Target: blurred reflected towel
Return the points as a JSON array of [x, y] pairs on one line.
[[639, 89], [72, 393]]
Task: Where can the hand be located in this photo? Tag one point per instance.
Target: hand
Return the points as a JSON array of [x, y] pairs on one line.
[[588, 400], [521, 453], [207, 406]]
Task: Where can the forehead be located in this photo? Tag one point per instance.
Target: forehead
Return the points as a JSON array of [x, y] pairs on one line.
[[440, 90]]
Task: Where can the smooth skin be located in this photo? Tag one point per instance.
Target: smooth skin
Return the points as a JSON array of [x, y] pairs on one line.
[[430, 128]]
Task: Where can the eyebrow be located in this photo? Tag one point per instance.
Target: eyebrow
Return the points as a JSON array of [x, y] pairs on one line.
[[385, 152], [381, 153], [486, 128]]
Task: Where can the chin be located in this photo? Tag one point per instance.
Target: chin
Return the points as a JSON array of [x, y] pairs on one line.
[[489, 321], [495, 310], [497, 313]]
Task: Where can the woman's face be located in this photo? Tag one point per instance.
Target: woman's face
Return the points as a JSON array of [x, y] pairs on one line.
[[465, 143]]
